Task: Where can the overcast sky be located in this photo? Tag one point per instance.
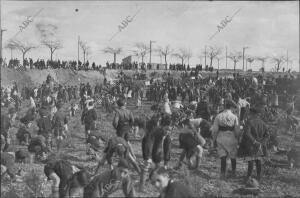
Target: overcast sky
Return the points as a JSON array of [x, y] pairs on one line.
[[267, 28]]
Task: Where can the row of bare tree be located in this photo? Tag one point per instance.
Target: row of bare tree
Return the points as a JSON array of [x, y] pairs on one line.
[[48, 38], [212, 53]]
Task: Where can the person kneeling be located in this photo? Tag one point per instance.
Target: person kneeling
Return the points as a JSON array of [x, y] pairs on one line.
[[119, 146], [111, 180]]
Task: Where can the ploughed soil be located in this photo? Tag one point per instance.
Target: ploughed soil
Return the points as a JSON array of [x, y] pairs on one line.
[[277, 180]]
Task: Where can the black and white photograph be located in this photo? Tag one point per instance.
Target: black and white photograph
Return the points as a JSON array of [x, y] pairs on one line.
[[166, 99]]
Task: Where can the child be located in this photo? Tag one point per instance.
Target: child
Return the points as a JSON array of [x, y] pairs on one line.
[[167, 187], [156, 147]]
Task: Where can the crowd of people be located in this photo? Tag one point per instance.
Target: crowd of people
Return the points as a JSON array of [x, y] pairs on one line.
[[227, 115], [40, 64]]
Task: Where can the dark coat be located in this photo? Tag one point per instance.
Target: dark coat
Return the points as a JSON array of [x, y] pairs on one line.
[[255, 130], [177, 189]]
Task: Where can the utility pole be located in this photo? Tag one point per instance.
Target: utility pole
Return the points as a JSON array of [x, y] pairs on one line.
[[151, 50], [78, 50], [226, 57], [1, 34], [287, 60], [205, 57], [244, 48]]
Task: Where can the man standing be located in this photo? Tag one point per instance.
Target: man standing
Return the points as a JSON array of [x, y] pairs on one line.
[[253, 146], [89, 117], [59, 121], [123, 120], [6, 125], [156, 147], [45, 127]]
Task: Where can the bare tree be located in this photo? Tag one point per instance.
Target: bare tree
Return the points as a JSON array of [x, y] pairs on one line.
[[212, 53], [141, 50], [53, 46], [165, 52], [182, 54], [22, 46], [218, 59], [249, 60], [262, 59], [201, 58], [48, 33], [85, 48], [12, 47], [114, 51], [278, 61], [235, 57]]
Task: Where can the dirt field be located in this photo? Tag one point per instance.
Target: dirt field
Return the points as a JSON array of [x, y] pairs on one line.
[[276, 182]]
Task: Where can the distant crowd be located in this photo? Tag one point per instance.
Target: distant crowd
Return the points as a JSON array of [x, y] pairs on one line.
[[29, 63]]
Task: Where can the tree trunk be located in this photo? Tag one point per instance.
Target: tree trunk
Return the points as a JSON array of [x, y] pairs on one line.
[[83, 57], [23, 57], [51, 54], [234, 66], [182, 61], [211, 59], [115, 58], [166, 62]]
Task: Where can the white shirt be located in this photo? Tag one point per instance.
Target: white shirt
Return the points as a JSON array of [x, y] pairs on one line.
[[32, 103], [225, 118], [167, 108]]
